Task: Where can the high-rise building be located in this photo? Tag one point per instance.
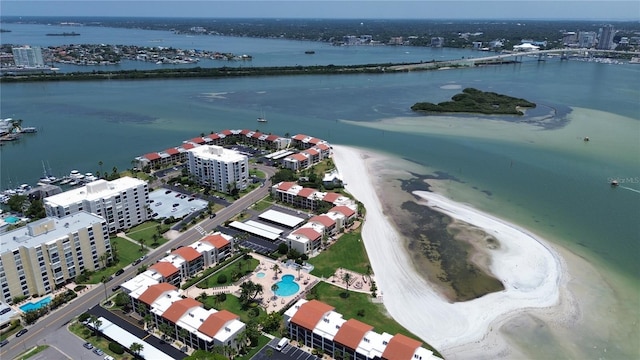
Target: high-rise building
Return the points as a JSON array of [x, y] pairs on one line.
[[46, 254], [122, 202], [587, 39], [28, 56], [605, 41], [219, 168]]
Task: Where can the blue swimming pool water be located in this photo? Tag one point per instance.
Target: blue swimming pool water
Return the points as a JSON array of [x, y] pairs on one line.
[[260, 275], [286, 286], [11, 219], [36, 305]]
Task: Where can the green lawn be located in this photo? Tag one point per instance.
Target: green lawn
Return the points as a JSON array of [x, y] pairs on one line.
[[13, 331], [127, 253], [263, 204], [242, 266], [232, 304], [258, 173], [374, 314], [348, 252], [32, 352], [262, 342], [147, 231]]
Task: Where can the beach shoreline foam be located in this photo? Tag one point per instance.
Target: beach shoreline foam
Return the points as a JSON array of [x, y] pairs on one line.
[[532, 271]]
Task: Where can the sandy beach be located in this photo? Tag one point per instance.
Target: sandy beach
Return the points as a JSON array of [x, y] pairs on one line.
[[533, 273]]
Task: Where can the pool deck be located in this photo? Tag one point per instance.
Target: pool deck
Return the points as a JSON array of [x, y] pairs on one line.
[[268, 302]]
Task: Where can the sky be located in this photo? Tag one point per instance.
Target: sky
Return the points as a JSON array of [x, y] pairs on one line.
[[338, 9]]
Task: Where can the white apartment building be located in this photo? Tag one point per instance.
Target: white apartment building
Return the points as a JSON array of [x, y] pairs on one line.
[[28, 56], [219, 168], [122, 202], [46, 254]]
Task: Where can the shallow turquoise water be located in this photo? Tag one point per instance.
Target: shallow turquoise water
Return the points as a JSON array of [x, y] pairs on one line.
[[37, 305], [287, 286]]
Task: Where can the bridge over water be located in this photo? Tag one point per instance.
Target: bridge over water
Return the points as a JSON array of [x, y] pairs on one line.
[[513, 56]]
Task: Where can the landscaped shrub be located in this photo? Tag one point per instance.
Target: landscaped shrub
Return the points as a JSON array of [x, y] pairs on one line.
[[116, 348], [222, 279], [83, 317], [79, 287]]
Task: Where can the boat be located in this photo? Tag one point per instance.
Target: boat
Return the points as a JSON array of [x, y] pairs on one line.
[[29, 130], [262, 119], [65, 181], [614, 183], [309, 52], [635, 60]]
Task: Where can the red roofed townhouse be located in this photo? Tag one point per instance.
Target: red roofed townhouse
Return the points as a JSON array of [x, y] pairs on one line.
[[305, 240], [215, 139], [179, 308], [187, 146], [303, 142], [214, 248], [198, 140], [316, 325], [143, 302], [304, 198], [346, 211], [328, 224], [296, 162], [222, 327], [314, 156], [169, 273], [192, 264]]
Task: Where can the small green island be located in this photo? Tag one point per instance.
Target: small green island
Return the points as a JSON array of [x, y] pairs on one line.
[[476, 101]]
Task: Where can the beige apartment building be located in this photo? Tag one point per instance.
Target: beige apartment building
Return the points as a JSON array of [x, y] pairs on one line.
[[48, 253]]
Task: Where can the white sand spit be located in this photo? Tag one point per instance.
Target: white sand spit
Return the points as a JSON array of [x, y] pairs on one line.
[[531, 271]]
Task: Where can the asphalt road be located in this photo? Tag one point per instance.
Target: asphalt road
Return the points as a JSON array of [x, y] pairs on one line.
[[62, 316]]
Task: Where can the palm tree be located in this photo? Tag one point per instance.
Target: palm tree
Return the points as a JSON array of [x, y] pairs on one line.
[[183, 333], [136, 348], [96, 323], [347, 280], [147, 320], [275, 269], [100, 163], [164, 329], [142, 241], [103, 258], [274, 289], [141, 309]]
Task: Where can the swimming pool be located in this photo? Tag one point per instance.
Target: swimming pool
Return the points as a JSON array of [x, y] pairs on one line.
[[260, 275], [11, 219], [36, 305], [286, 286]]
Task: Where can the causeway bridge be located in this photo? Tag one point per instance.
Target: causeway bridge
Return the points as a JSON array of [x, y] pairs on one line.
[[512, 56]]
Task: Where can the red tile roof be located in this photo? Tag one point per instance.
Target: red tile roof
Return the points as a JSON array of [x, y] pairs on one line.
[[245, 131], [216, 321], [309, 233], [331, 197], [286, 185], [306, 192], [324, 220], [152, 156], [351, 333], [300, 137], [310, 313], [226, 132], [312, 151], [323, 146], [346, 211], [166, 269], [188, 146], [172, 151], [298, 156], [272, 138], [179, 308], [256, 135], [153, 292], [400, 347], [213, 136], [188, 253], [218, 241], [315, 141], [197, 140]]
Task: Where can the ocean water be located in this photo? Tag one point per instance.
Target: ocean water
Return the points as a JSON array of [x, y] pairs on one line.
[[547, 180]]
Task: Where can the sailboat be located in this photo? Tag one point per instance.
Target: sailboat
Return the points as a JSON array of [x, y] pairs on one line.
[[262, 119]]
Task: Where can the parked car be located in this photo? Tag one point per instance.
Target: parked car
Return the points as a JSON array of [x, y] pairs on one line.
[[98, 352], [119, 272], [109, 357], [21, 332], [168, 192], [4, 311], [4, 342], [88, 345], [176, 205], [115, 288]]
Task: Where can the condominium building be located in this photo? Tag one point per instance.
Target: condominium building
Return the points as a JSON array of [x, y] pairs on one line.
[[122, 202], [28, 56], [188, 320], [587, 39], [46, 254], [316, 325], [605, 41], [219, 168]]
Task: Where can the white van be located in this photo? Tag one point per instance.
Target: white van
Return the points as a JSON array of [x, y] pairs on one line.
[[282, 343]]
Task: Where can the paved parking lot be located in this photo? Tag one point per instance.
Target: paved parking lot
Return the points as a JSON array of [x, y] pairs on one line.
[[261, 246], [164, 203], [288, 353]]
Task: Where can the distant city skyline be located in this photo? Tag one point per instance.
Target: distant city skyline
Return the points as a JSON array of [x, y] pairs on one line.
[[623, 10]]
